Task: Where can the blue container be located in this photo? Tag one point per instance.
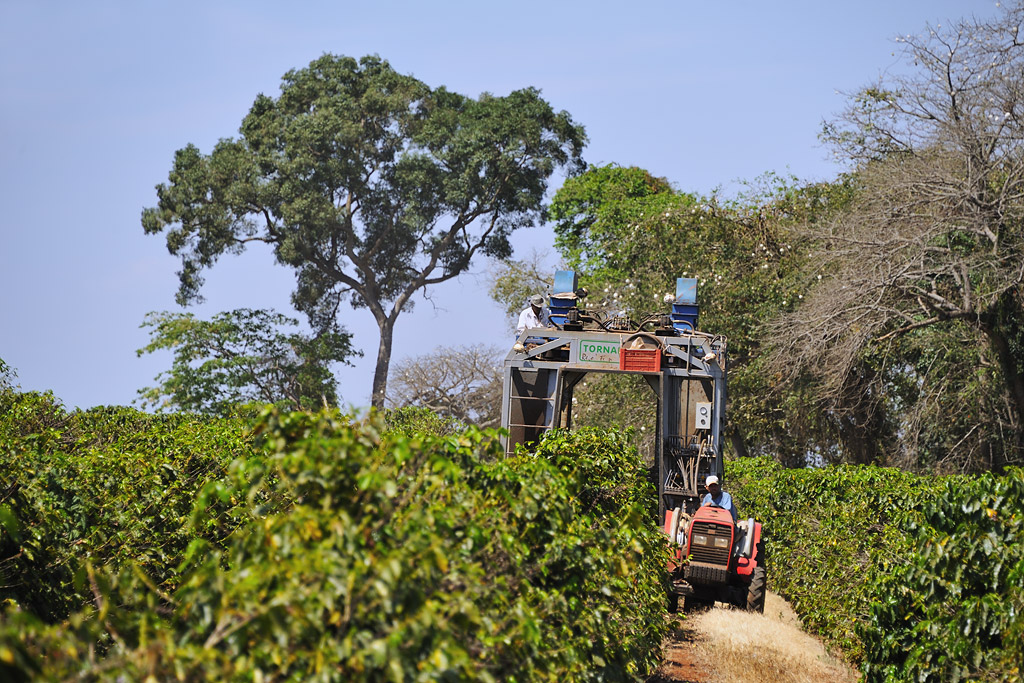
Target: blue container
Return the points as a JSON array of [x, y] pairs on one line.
[[684, 308], [558, 306], [686, 291], [565, 281]]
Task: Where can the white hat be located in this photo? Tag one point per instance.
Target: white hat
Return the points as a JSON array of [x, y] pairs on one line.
[[537, 300], [711, 480]]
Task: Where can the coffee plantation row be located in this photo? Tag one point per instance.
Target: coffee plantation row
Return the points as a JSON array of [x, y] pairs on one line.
[[914, 578], [316, 547]]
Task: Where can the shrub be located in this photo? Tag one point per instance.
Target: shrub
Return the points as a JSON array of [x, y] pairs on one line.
[[411, 420], [916, 578], [952, 610], [827, 532], [427, 558], [109, 486]]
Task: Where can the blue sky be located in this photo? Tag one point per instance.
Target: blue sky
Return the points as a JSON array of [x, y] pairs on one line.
[[96, 97]]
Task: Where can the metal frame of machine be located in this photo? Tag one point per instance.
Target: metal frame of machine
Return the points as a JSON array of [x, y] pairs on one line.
[[689, 386], [686, 369]]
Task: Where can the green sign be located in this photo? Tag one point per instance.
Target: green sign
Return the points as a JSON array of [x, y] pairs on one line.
[[602, 351]]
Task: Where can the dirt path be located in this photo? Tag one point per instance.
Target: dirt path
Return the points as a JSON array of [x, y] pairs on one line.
[[729, 645]]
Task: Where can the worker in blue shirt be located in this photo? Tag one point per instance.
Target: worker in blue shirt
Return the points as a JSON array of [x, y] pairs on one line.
[[717, 497]]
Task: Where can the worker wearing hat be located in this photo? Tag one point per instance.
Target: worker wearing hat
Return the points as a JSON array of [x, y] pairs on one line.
[[533, 316], [717, 497]]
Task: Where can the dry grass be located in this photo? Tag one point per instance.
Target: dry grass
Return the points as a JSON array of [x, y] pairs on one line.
[[738, 645]]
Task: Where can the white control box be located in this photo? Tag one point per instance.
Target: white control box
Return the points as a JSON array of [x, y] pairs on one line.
[[702, 416]]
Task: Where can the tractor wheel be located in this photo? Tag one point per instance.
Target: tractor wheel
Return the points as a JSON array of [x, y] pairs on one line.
[[692, 604], [673, 603], [762, 555], [755, 592]]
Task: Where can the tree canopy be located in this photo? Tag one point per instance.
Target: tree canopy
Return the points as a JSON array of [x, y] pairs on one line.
[[631, 235], [461, 383], [514, 281], [875, 318], [370, 184]]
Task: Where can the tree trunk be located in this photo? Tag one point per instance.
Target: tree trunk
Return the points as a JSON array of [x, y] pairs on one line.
[[999, 329], [380, 373], [739, 444], [1008, 366], [862, 429]]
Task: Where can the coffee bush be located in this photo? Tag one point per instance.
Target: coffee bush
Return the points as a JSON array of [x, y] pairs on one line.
[[323, 552]]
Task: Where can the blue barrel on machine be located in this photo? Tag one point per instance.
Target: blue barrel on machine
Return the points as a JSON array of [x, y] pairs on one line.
[[684, 307], [563, 296]]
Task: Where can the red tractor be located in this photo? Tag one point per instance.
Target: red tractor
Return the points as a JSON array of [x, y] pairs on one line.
[[715, 559]]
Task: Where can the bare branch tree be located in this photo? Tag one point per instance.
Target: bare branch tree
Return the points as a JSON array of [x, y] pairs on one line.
[[463, 382], [934, 234]]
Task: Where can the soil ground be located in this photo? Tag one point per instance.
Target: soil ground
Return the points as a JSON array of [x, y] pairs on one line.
[[724, 644]]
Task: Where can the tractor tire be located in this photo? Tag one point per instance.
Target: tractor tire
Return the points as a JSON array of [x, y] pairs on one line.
[[673, 603], [756, 590], [762, 554], [692, 604]]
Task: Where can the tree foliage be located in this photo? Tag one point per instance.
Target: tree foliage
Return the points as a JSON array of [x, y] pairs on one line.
[[592, 212], [240, 357], [371, 185], [7, 376], [514, 281], [923, 272], [632, 235]]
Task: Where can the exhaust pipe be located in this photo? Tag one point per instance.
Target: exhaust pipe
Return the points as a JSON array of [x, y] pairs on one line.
[[748, 539]]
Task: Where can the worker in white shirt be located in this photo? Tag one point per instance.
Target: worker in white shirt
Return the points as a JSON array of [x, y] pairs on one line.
[[533, 316]]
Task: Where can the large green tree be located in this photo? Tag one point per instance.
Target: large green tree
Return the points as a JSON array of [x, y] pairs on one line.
[[371, 185], [631, 235]]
